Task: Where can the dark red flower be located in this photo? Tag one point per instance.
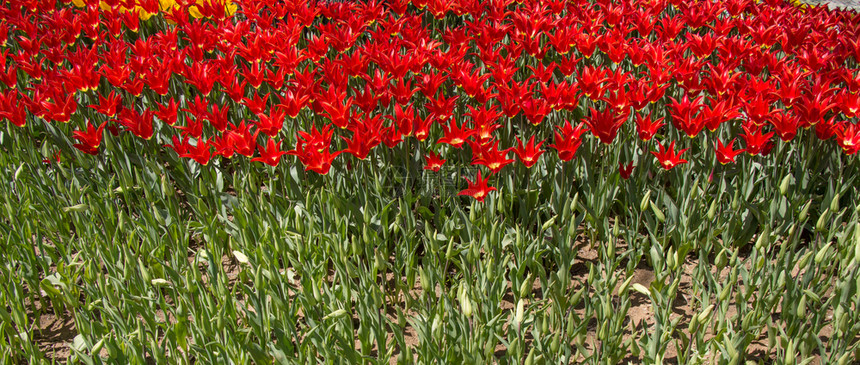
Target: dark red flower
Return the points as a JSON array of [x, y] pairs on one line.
[[625, 171]]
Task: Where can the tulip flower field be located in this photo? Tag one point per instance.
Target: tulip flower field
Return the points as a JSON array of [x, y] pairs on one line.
[[429, 181]]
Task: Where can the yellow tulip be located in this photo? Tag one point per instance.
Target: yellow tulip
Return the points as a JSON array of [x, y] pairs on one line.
[[230, 7], [165, 6]]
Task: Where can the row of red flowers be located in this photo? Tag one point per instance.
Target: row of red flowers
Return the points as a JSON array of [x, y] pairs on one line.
[[379, 72]]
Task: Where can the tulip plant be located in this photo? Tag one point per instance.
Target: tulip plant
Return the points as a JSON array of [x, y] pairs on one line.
[[429, 181]]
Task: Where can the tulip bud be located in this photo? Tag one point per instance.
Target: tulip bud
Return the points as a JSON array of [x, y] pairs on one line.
[[646, 201], [165, 186], [526, 286], [641, 289], [736, 201], [157, 215], [658, 213], [712, 211], [98, 346], [378, 263], [336, 314], [548, 223], [465, 302], [822, 220], [512, 347], [577, 296], [790, 358], [804, 212], [724, 294], [530, 359], [601, 331], [804, 260], [721, 260], [843, 360], [473, 213], [518, 317], [144, 273], [623, 288], [571, 323], [670, 259], [783, 186], [705, 316], [425, 283], [615, 231], [763, 238], [801, 307], [160, 282], [822, 253], [592, 273], [834, 204], [694, 324], [450, 248]]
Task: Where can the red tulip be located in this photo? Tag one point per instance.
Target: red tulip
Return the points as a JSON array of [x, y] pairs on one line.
[[667, 156], [477, 189], [62, 108], [683, 115], [757, 142], [528, 153], [270, 154], [90, 139], [647, 127], [490, 156], [568, 141], [725, 153], [785, 124], [455, 135], [605, 124], [271, 124], [200, 153], [256, 104], [168, 113], [848, 137], [434, 162], [138, 124]]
